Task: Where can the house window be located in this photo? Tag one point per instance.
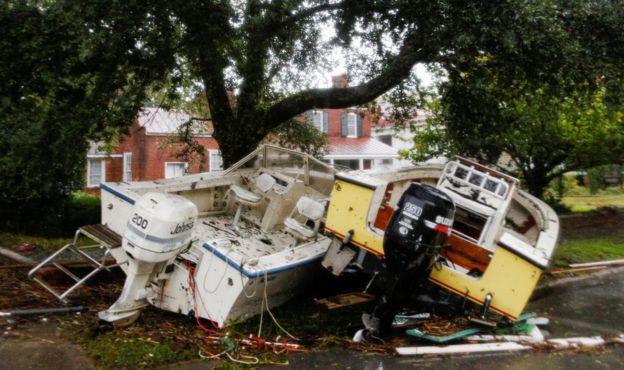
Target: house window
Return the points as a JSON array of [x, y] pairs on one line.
[[216, 160], [175, 169], [96, 172], [353, 164], [352, 125], [386, 139], [317, 119], [127, 167]]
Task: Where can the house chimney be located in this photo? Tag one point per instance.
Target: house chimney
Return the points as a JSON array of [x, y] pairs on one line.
[[340, 81]]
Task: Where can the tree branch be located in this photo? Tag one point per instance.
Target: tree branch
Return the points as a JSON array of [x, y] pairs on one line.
[[412, 52], [274, 24], [305, 13]]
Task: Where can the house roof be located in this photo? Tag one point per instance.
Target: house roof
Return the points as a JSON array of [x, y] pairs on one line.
[[159, 121], [363, 147], [385, 120]]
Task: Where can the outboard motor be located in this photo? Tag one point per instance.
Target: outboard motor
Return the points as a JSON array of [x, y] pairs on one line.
[[417, 230], [418, 227], [159, 228]]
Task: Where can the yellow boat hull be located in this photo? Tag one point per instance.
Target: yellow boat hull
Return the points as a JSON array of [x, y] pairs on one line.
[[509, 278]]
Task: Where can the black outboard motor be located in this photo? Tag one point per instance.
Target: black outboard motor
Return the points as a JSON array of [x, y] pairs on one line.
[[417, 230]]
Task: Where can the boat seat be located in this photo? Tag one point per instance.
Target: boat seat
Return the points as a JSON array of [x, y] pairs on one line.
[[306, 210], [245, 196], [264, 182]]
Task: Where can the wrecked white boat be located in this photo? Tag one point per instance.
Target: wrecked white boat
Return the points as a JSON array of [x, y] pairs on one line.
[[218, 245]]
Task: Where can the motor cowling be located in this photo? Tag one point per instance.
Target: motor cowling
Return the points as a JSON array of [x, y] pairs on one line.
[[159, 227], [419, 226]]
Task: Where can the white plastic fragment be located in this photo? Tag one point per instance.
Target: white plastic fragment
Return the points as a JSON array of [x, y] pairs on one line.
[[555, 343], [598, 263], [461, 348], [540, 321], [578, 342], [534, 336]]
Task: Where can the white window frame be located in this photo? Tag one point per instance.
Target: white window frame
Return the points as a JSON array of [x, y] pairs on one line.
[[352, 120], [102, 172], [317, 119], [211, 163], [127, 166], [185, 169]]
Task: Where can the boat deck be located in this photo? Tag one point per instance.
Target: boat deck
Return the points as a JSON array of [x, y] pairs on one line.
[[248, 241]]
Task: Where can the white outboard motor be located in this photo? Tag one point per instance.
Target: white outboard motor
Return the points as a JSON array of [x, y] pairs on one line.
[[159, 228]]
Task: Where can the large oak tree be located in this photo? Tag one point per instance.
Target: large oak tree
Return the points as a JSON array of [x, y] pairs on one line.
[[73, 70]]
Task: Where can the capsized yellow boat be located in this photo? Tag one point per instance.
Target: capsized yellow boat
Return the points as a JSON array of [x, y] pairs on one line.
[[499, 242]]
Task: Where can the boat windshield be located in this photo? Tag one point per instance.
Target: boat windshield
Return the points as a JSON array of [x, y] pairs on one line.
[[477, 179], [313, 172]]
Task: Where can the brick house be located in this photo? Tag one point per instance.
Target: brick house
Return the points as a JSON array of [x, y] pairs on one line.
[[400, 138], [349, 135], [149, 151]]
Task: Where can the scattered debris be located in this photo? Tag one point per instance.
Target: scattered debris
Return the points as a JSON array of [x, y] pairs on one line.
[[588, 267], [405, 320], [15, 256], [534, 336], [539, 321], [42, 311], [582, 342], [576, 269], [482, 322], [443, 338], [344, 300], [556, 344], [598, 263], [24, 248], [462, 348]]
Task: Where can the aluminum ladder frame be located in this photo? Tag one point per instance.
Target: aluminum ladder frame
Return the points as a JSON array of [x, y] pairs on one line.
[[102, 236]]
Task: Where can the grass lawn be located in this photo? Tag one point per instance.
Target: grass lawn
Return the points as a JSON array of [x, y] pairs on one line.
[[8, 240], [589, 250], [593, 202]]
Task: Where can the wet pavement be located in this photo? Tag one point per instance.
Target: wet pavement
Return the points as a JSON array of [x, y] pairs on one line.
[[39, 346], [593, 306]]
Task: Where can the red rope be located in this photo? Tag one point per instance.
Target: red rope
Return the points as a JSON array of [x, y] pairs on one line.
[[254, 341], [192, 285]]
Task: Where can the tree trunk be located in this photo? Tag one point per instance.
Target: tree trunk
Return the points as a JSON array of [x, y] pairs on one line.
[[536, 180], [237, 139]]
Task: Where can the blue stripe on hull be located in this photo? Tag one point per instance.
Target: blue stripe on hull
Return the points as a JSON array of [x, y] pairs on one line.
[[107, 188], [254, 274]]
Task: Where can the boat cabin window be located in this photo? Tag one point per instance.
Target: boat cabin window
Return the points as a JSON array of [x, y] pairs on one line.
[[385, 209], [468, 225], [463, 250]]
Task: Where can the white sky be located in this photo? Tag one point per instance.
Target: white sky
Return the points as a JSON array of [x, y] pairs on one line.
[[338, 61]]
